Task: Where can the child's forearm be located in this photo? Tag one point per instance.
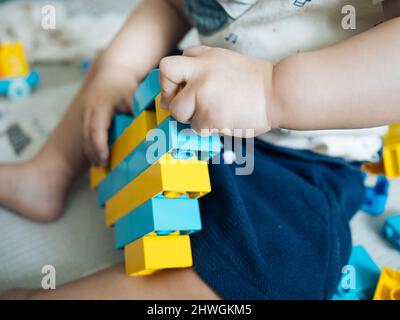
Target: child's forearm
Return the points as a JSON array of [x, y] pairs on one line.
[[353, 84], [153, 29]]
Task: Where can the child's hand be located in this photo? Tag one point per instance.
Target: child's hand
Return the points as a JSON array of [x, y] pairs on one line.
[[222, 90], [108, 89]]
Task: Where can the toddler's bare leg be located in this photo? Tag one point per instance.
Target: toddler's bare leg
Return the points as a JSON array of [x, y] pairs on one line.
[[114, 284], [37, 188]]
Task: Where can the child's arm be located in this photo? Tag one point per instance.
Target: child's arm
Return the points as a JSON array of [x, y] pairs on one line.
[[353, 84], [152, 30]]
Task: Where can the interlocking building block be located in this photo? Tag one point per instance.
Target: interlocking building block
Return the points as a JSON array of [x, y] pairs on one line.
[[366, 277], [97, 175], [376, 197], [152, 253], [13, 62], [169, 137], [391, 231], [146, 93], [118, 125], [388, 287], [391, 152], [160, 215], [134, 134], [168, 176]]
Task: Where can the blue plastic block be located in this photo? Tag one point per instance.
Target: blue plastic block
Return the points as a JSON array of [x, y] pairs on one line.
[[137, 161], [160, 215], [19, 87], [119, 124], [146, 92], [376, 197], [391, 231], [366, 277], [85, 64]]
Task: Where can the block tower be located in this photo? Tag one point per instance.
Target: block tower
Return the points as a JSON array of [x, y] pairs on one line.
[[158, 170]]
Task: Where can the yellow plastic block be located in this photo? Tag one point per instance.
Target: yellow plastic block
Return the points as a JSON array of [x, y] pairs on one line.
[[97, 174], [388, 287], [161, 113], [132, 136], [167, 176], [391, 160], [152, 253], [13, 62]]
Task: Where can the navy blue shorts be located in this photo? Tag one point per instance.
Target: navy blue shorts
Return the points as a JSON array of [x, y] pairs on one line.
[[281, 232]]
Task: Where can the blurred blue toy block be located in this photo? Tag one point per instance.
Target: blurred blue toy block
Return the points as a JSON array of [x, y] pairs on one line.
[[376, 197], [19, 87], [146, 92], [391, 231], [359, 278], [119, 123], [159, 215], [85, 64]]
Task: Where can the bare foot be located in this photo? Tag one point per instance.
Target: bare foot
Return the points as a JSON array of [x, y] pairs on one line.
[[35, 189]]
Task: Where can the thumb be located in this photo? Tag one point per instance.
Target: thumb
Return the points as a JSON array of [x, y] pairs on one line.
[[175, 72]]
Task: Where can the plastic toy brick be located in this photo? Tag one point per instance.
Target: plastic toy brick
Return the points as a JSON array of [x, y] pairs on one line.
[[161, 113], [168, 176], [13, 62], [160, 215], [376, 197], [180, 140], [146, 92], [391, 231], [119, 124], [19, 87], [391, 152], [97, 174], [374, 168], [152, 253], [367, 275], [388, 287], [134, 134]]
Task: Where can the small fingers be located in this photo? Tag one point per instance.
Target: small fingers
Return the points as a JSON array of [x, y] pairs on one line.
[[99, 125], [175, 71], [183, 105]]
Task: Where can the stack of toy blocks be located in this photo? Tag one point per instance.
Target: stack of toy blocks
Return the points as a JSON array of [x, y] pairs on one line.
[[158, 169]]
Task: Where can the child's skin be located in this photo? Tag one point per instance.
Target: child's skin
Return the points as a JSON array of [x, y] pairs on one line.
[[328, 88]]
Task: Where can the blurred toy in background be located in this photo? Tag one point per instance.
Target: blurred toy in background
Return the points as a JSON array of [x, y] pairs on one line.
[[16, 78], [366, 274], [376, 196], [391, 231], [388, 287]]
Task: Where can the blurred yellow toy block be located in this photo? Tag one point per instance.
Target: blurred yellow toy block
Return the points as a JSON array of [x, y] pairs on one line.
[[388, 287], [169, 177], [391, 152], [96, 175], [152, 253], [13, 62]]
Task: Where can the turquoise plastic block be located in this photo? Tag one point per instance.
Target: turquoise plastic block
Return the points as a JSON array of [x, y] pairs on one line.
[[119, 124], [19, 87], [366, 277], [376, 197], [391, 231], [146, 92], [137, 162], [160, 215]]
